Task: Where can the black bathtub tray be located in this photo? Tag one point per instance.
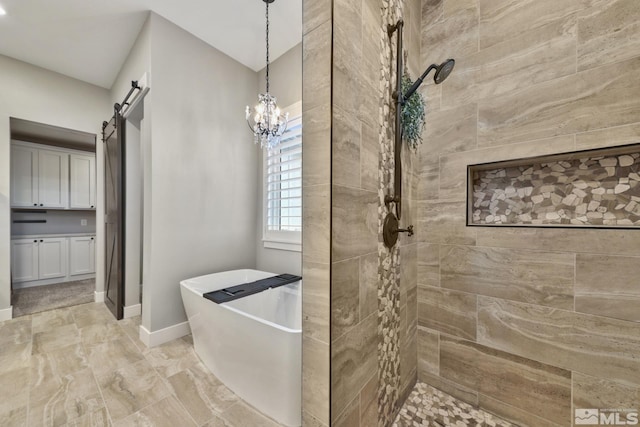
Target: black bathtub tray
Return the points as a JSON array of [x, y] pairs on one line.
[[246, 289]]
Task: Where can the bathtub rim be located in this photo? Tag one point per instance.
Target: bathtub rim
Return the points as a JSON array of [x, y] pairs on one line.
[[184, 283]]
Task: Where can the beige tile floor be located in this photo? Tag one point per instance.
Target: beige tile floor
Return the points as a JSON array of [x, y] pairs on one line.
[[78, 366]]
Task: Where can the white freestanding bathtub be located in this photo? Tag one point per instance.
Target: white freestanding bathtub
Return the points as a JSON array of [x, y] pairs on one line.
[[252, 344]]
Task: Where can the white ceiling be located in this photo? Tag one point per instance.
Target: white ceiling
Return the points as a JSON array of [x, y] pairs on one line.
[[90, 39]]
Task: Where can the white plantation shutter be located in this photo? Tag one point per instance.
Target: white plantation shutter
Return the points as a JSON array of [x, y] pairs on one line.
[[283, 184]]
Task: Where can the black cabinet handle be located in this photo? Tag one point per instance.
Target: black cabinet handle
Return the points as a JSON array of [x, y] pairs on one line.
[[92, 238], [35, 241], [40, 241], [92, 206], [35, 204], [41, 204]]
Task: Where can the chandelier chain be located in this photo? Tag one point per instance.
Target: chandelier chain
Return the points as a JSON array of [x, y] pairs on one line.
[[267, 37]]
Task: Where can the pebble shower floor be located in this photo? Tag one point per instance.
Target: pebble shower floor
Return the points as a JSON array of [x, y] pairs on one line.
[[427, 406]]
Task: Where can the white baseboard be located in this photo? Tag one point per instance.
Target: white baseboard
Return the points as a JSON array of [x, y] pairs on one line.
[[98, 296], [6, 314], [132, 311], [152, 339]]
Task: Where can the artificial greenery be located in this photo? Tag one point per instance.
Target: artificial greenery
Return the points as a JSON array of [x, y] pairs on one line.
[[412, 115]]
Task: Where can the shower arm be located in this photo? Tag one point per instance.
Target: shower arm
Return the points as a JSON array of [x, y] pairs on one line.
[[399, 102]]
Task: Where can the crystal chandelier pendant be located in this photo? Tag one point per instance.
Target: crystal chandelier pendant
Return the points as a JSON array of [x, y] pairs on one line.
[[268, 121]]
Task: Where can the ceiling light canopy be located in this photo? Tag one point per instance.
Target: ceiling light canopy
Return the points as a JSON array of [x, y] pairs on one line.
[[268, 121]]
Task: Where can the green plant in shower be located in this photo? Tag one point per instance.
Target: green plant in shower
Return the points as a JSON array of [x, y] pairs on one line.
[[412, 115]]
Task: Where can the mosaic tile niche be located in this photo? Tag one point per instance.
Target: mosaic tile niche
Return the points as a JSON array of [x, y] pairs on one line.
[[596, 188]]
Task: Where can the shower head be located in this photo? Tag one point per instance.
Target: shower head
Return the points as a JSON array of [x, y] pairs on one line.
[[442, 72]]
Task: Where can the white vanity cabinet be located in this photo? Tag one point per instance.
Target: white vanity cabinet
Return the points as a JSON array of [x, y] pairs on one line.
[[39, 178], [24, 260], [82, 180], [82, 255], [38, 259], [43, 177], [53, 179], [24, 176]]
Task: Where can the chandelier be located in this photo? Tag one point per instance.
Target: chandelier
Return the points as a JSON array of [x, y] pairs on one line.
[[268, 121]]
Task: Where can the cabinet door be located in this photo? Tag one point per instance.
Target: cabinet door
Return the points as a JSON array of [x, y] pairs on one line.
[[82, 253], [24, 176], [83, 181], [53, 179], [52, 257], [24, 260]]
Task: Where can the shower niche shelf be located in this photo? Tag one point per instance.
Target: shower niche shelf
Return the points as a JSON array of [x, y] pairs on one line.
[[597, 188]]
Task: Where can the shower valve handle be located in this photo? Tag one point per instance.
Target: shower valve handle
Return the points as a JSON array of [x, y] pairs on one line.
[[408, 230]]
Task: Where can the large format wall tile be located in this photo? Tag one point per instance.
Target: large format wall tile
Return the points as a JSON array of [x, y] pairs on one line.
[[354, 358], [608, 286], [369, 402], [447, 311], [345, 296], [454, 37], [544, 278], [315, 379], [597, 44], [563, 106], [347, 136], [533, 56], [347, 55], [314, 13], [368, 284], [609, 137], [547, 77], [444, 221], [593, 345], [505, 19], [452, 130], [317, 223], [316, 67], [315, 295], [316, 156], [355, 222], [432, 12], [612, 242], [428, 264], [517, 416], [456, 390], [428, 351], [531, 386], [592, 392]]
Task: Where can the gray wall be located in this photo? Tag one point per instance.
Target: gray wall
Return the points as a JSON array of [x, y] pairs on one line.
[[285, 82], [32, 93], [203, 174]]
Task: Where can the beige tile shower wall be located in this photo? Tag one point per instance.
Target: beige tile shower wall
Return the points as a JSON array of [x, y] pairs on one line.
[[354, 302], [355, 202], [408, 278], [527, 323], [316, 189]]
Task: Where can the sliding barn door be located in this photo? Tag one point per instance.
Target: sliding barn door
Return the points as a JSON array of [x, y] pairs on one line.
[[114, 158]]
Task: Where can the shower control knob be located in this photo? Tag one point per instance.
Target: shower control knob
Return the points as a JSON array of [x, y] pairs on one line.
[[408, 230]]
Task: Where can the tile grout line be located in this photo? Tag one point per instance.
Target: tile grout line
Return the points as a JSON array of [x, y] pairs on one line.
[[167, 384], [93, 374]]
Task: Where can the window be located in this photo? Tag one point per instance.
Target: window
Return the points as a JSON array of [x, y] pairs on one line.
[[283, 187]]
